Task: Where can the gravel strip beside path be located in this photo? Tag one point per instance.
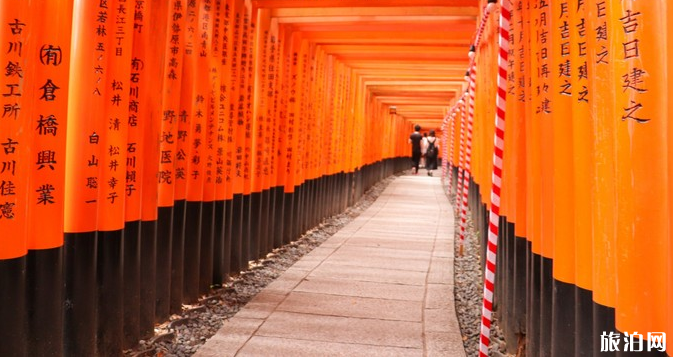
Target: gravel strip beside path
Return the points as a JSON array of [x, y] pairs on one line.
[[183, 334], [469, 292]]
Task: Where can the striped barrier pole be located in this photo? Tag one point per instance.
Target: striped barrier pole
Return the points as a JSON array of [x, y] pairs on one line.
[[449, 149], [472, 74], [482, 25], [445, 149], [461, 155], [494, 216]]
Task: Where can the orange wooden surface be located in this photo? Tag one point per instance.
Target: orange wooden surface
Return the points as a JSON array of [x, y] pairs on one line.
[[139, 110], [114, 127], [170, 103], [85, 118], [562, 171], [642, 136], [16, 160], [46, 184]]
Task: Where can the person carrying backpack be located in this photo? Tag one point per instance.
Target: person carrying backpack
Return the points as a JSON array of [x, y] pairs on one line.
[[431, 152]]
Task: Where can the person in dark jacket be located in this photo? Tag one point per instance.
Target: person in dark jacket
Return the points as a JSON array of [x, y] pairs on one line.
[[415, 140]]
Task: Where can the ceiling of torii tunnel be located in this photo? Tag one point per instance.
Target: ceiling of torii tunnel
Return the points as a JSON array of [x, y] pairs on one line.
[[410, 54]]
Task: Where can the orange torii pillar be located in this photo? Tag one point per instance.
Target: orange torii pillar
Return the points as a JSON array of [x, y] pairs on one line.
[[147, 81], [85, 125], [32, 176]]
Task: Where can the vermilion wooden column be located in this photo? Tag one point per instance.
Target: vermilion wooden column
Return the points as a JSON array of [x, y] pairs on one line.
[[167, 177], [83, 179], [18, 25], [154, 78], [50, 51]]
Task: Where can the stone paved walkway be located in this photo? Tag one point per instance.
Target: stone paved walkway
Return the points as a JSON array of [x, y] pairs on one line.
[[381, 286]]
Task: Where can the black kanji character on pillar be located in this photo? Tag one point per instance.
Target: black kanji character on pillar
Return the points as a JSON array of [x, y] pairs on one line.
[[602, 56], [13, 69], [130, 176], [16, 27], [114, 164], [166, 156], [633, 79], [169, 116], [10, 146], [16, 47], [8, 166], [7, 188], [45, 196], [92, 182], [566, 88], [137, 64], [93, 161], [112, 196], [166, 176], [11, 109], [11, 91], [602, 32], [47, 125], [630, 21], [565, 68], [48, 90], [46, 158], [114, 150], [50, 55], [116, 99], [631, 111], [167, 137], [631, 49], [7, 210]]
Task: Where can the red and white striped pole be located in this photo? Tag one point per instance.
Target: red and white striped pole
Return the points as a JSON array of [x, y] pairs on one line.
[[482, 24], [445, 149], [472, 73], [461, 152], [494, 216], [452, 118]]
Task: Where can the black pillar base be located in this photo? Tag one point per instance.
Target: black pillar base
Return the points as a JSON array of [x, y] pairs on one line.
[[288, 217], [546, 281], [192, 249], [256, 222], [206, 247], [177, 256], [163, 264], [246, 245], [237, 235], [563, 319], [218, 244], [228, 237], [110, 324], [148, 274], [44, 277], [13, 319], [131, 284], [80, 294], [279, 216]]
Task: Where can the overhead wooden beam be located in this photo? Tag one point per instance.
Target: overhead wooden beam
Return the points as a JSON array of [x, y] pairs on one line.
[[375, 19], [277, 4], [433, 37]]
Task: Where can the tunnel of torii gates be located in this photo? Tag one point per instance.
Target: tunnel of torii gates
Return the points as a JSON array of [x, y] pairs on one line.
[[152, 148]]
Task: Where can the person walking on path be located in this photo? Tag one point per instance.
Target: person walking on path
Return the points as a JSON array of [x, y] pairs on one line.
[[424, 144], [415, 140], [431, 152]]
